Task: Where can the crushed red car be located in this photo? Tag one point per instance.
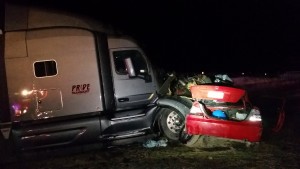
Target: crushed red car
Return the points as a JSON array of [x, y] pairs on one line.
[[224, 112]]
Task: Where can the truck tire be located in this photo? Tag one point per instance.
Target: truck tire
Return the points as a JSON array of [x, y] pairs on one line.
[[172, 116], [171, 122]]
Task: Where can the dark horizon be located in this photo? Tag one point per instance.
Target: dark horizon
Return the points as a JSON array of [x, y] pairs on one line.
[[204, 36]]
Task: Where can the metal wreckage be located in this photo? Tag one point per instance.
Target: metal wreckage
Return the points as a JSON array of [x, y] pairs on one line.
[[219, 111]]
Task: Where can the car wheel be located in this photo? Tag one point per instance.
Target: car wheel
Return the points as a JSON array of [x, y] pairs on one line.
[[171, 123], [204, 141], [195, 141], [191, 140], [201, 141]]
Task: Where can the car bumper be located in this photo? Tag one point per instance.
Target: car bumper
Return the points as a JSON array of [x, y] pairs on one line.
[[240, 130]]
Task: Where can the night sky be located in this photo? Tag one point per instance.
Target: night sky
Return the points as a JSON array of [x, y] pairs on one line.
[[192, 36]]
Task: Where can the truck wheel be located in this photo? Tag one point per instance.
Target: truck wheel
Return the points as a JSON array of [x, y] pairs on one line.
[[171, 123]]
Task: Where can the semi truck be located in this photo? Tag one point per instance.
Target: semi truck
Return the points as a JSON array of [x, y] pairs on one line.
[[68, 80]]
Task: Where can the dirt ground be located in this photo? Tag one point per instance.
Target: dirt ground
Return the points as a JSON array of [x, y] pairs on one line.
[[280, 150]]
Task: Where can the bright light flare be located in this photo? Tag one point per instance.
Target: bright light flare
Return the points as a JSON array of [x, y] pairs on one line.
[[26, 92]]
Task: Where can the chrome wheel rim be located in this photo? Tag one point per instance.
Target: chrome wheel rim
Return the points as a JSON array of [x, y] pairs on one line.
[[174, 122]]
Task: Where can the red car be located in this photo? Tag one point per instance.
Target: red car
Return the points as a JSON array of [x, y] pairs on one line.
[[223, 112]]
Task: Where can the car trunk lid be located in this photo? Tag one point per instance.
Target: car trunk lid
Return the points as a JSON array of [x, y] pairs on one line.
[[219, 93]]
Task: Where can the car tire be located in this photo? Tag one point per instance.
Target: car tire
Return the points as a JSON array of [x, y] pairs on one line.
[[195, 141], [200, 141], [204, 141], [191, 140]]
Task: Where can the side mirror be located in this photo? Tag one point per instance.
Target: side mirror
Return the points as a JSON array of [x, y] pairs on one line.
[[130, 67]]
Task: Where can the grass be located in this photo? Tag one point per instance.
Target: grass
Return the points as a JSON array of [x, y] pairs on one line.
[[276, 152]]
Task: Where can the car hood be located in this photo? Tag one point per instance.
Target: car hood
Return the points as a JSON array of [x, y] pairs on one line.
[[215, 92]]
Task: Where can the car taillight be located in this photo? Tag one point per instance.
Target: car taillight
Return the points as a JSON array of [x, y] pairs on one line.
[[197, 109], [254, 115]]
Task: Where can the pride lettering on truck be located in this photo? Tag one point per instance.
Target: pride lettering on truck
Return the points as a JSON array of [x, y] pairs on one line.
[[84, 88]]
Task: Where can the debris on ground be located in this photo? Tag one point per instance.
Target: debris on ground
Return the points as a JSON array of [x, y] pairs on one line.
[[152, 143]]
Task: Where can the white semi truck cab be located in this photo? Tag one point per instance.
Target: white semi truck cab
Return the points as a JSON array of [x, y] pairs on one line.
[[69, 80]]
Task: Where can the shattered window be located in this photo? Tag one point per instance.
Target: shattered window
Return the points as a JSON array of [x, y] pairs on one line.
[[138, 61], [45, 68]]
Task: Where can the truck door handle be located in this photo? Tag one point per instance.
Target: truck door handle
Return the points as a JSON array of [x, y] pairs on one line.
[[123, 99]]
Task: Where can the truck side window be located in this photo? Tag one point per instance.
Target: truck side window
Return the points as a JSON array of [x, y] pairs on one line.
[[138, 61], [45, 68]]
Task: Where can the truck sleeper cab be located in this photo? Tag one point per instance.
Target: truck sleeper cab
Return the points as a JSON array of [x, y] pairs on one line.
[[71, 82]]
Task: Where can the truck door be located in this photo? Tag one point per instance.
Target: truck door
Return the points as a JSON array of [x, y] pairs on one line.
[[130, 92]]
